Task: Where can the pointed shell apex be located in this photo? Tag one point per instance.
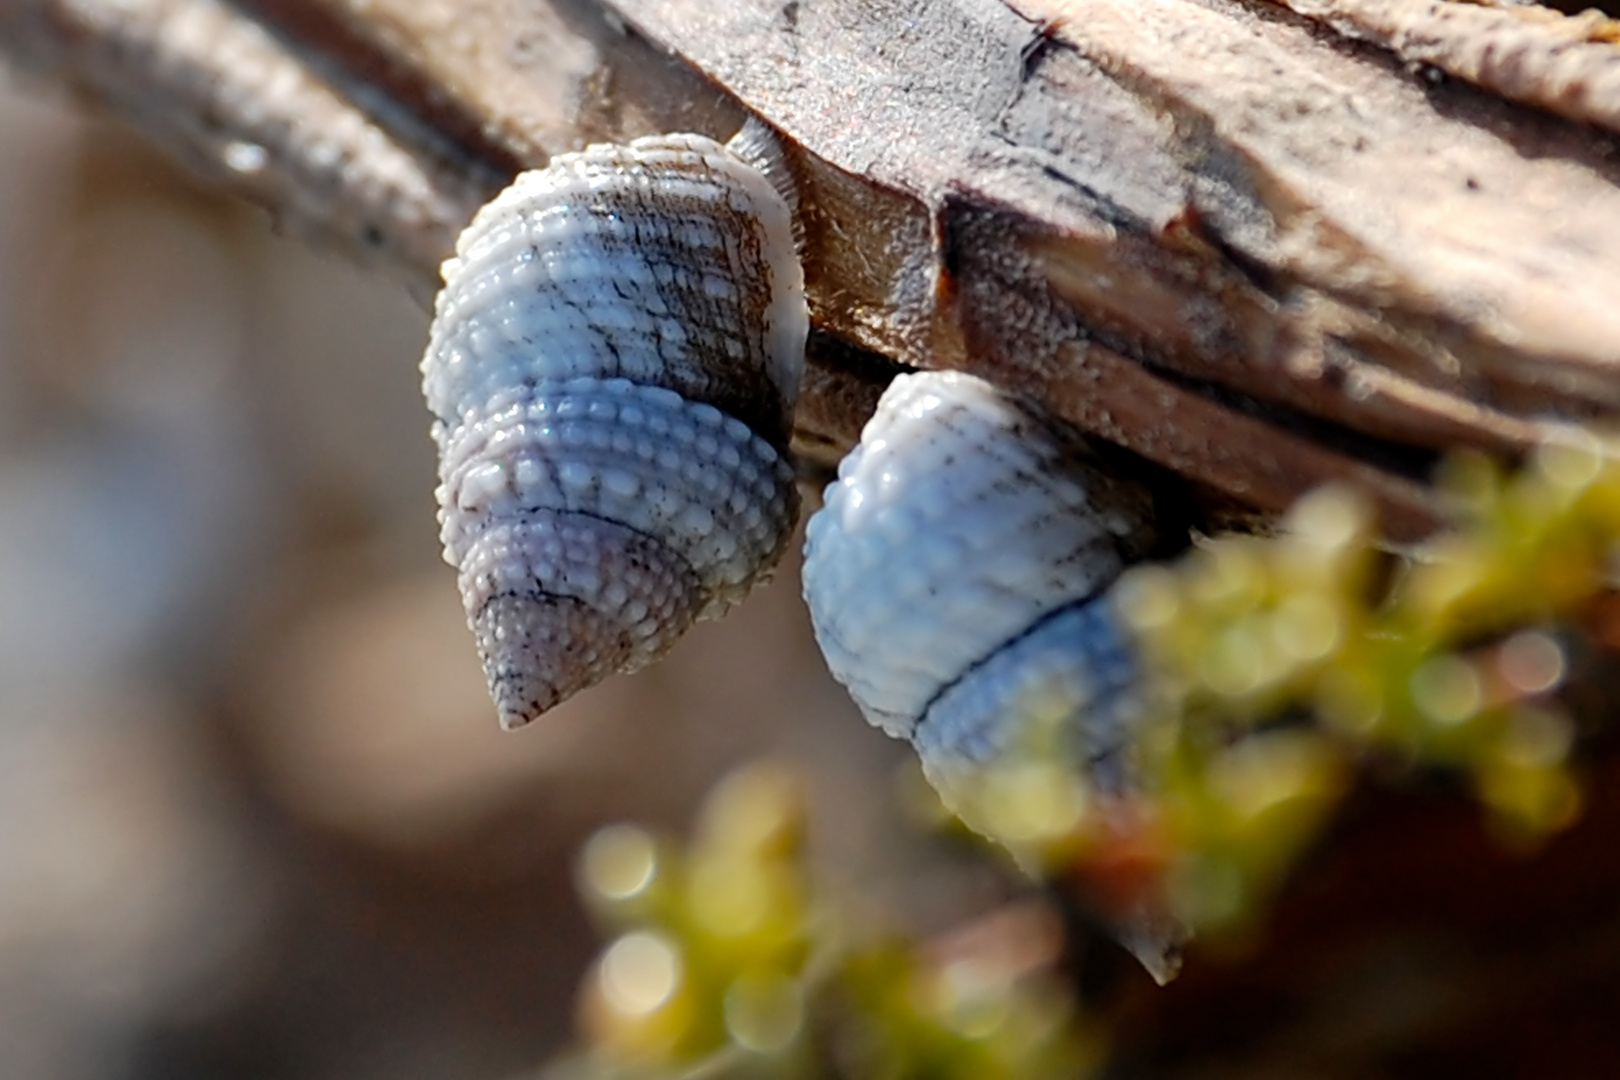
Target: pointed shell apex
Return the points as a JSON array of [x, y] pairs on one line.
[[612, 369]]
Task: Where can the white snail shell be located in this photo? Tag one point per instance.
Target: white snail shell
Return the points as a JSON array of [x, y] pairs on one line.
[[954, 575], [613, 364]]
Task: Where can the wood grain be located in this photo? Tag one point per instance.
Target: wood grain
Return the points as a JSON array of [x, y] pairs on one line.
[[1231, 237]]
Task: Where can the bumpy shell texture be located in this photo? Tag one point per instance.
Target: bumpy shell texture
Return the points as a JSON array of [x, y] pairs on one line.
[[954, 572], [612, 369]]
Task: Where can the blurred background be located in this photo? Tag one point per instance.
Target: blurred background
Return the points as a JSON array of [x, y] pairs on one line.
[[257, 819], [256, 816]]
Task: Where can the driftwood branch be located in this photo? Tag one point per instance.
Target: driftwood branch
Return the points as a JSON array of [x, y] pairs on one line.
[[1262, 244]]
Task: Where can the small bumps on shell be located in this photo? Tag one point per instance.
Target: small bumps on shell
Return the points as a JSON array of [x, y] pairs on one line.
[[612, 369], [954, 575]]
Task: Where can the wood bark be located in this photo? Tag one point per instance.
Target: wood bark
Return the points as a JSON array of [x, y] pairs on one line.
[[1232, 237]]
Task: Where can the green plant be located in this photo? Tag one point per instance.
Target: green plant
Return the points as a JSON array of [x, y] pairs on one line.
[[1275, 667], [728, 961]]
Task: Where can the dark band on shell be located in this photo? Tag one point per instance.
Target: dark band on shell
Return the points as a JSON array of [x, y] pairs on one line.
[[958, 579], [955, 576]]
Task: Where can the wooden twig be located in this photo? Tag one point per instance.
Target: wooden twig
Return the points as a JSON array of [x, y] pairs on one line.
[[1254, 252], [241, 107]]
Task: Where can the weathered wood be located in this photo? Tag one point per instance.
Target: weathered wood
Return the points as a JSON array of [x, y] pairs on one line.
[[1519, 50], [1217, 233], [243, 108]]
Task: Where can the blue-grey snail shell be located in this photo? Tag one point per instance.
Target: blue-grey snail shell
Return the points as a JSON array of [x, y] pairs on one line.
[[613, 365], [956, 577]]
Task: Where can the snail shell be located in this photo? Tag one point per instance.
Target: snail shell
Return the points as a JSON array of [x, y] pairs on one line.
[[954, 576], [612, 369]]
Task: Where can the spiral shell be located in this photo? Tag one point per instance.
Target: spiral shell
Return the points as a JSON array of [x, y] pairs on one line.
[[612, 367], [954, 574]]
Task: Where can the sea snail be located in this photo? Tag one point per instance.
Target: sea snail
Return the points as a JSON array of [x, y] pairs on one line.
[[612, 368], [955, 578]]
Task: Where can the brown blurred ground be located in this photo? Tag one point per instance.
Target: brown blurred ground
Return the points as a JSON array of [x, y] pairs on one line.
[[256, 815]]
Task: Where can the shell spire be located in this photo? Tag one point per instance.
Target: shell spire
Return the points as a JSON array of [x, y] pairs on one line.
[[612, 368]]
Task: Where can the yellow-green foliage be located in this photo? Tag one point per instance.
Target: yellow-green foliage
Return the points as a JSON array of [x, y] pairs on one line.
[[908, 1016], [727, 963], [713, 940], [1274, 666]]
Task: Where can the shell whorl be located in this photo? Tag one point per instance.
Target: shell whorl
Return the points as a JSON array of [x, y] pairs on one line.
[[612, 369], [954, 574]]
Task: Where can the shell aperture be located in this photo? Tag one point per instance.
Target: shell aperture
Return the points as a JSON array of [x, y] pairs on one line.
[[612, 368]]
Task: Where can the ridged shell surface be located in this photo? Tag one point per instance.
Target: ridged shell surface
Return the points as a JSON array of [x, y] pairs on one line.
[[612, 369], [953, 573]]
